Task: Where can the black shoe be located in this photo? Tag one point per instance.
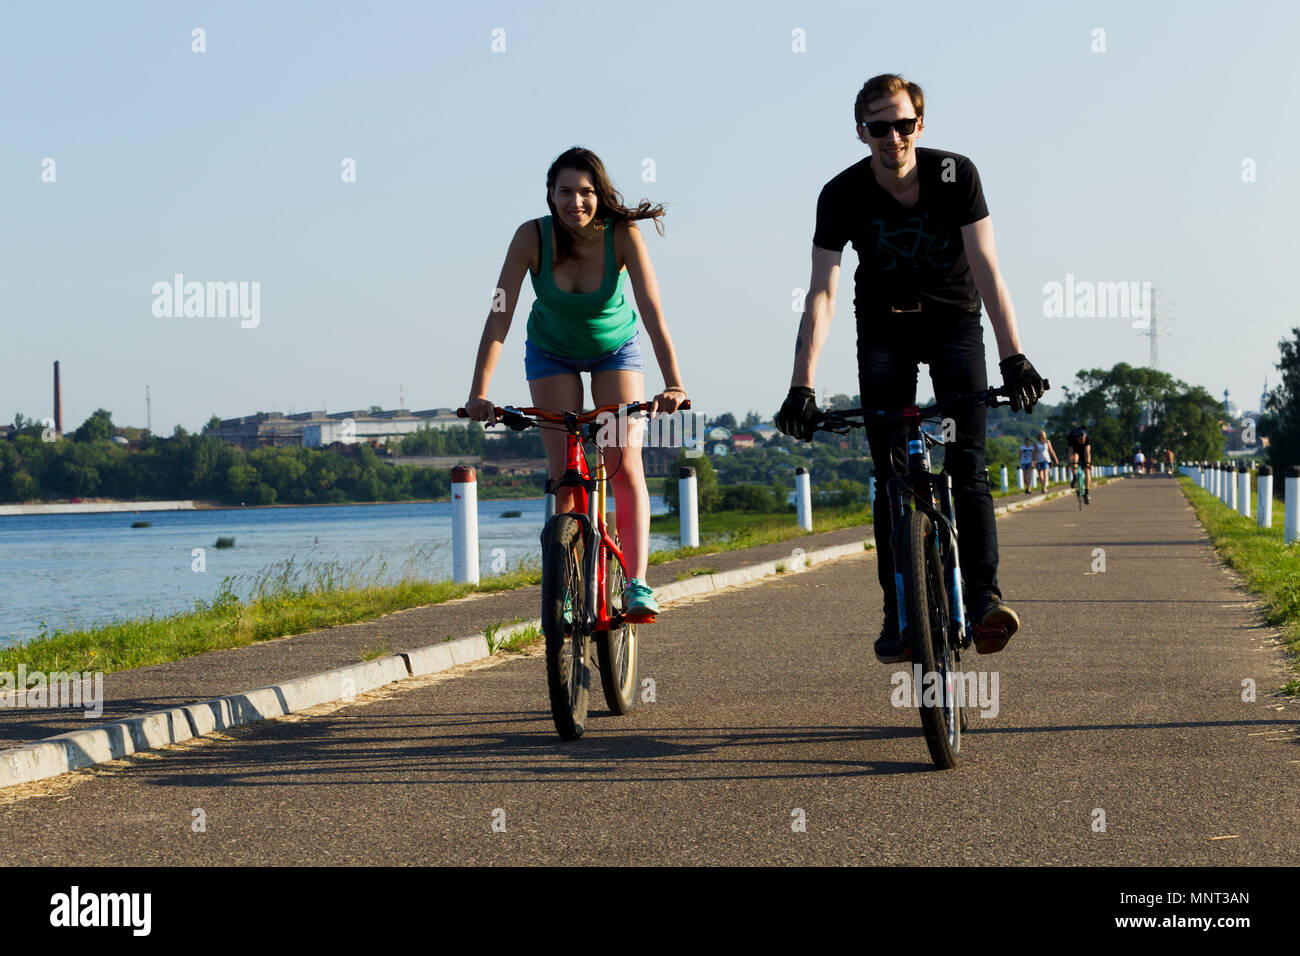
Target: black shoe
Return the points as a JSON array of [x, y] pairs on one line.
[[1085, 499], [992, 624], [889, 646], [1074, 480]]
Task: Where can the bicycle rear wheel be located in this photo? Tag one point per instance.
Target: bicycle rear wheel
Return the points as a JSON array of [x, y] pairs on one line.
[[926, 633], [616, 648], [568, 674]]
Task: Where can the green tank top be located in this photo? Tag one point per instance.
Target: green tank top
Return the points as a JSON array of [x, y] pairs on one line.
[[580, 325]]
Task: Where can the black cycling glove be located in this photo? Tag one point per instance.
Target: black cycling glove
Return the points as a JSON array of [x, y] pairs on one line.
[[1024, 384], [799, 414]]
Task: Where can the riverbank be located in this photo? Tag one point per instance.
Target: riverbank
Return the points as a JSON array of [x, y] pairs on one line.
[[285, 600], [95, 507]]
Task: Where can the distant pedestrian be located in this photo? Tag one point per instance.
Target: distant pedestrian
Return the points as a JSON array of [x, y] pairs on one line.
[[1044, 455], [1027, 464]]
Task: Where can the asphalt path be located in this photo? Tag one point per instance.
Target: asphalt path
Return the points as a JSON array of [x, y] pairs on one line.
[[1121, 737]]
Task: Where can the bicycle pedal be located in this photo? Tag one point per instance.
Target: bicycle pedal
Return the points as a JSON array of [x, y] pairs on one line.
[[648, 618], [990, 630]]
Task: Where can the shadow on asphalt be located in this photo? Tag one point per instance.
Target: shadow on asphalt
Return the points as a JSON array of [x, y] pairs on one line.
[[276, 752]]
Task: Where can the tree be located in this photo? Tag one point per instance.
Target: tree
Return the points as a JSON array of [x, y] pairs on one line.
[[725, 420], [1125, 408], [98, 426], [706, 483], [751, 419], [213, 423], [1282, 424]]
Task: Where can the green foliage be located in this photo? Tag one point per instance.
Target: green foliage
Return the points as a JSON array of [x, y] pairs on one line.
[[707, 495], [760, 499], [1282, 424], [98, 426], [466, 440], [1126, 408]]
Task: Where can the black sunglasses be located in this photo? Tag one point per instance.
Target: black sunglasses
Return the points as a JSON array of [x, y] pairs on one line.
[[879, 128]]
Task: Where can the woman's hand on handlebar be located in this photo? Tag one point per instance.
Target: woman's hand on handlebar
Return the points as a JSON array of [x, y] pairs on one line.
[[481, 410], [668, 401]]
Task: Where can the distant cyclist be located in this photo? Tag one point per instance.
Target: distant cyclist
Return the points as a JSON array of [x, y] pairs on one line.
[[1139, 462], [1080, 459], [1044, 456]]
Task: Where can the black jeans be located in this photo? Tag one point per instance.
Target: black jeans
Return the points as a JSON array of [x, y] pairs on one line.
[[887, 370]]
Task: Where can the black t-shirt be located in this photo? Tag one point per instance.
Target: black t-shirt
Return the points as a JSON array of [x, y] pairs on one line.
[[1078, 440], [906, 255]]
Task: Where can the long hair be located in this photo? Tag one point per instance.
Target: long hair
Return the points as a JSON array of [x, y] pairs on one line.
[[609, 202]]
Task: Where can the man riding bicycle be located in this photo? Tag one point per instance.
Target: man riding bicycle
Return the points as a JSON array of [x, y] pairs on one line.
[[1080, 455], [918, 221]]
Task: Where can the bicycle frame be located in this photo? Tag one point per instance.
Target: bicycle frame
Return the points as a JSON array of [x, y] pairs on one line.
[[930, 493], [590, 508]]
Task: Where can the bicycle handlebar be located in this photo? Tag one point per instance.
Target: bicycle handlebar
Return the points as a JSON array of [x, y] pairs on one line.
[[521, 418]]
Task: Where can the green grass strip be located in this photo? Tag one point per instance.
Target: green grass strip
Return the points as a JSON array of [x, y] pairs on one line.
[[1271, 568]]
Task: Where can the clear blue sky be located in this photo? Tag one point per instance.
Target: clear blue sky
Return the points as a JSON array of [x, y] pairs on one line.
[[1114, 166]]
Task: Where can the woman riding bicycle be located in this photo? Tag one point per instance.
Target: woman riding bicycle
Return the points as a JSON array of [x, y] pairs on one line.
[[581, 322]]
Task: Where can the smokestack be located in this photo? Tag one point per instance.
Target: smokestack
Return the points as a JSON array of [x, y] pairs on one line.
[[58, 403]]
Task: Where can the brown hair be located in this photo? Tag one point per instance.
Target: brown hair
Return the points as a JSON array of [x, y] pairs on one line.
[[609, 202], [884, 86]]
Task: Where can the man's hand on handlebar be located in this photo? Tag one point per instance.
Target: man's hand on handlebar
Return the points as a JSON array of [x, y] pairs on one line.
[[1023, 383], [799, 414]]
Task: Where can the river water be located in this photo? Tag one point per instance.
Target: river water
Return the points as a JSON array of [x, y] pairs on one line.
[[77, 571]]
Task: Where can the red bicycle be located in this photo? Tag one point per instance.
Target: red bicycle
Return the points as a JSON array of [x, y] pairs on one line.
[[582, 589]]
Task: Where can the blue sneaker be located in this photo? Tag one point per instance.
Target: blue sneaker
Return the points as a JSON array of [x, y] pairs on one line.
[[639, 599]]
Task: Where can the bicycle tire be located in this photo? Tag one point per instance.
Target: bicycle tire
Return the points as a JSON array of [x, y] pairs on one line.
[[919, 561], [568, 671], [616, 649]]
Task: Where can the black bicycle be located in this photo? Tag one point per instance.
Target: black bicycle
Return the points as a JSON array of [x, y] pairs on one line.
[[927, 569]]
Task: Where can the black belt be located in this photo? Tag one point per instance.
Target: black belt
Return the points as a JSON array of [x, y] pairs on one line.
[[910, 306]]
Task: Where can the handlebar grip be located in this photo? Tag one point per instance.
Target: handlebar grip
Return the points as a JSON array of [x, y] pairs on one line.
[[461, 413]]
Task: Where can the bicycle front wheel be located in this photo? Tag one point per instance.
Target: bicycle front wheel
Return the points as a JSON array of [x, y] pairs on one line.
[[564, 624], [616, 648], [926, 632]]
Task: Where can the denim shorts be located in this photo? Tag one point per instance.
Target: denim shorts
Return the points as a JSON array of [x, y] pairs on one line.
[[540, 364]]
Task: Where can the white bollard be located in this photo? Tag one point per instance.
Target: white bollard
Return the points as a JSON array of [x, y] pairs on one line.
[[688, 508], [464, 525], [1230, 483], [1264, 512], [1004, 479], [1292, 527], [803, 497], [1020, 479], [1243, 490], [550, 503]]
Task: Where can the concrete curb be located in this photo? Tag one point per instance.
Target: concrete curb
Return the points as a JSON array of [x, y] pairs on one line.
[[100, 743]]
